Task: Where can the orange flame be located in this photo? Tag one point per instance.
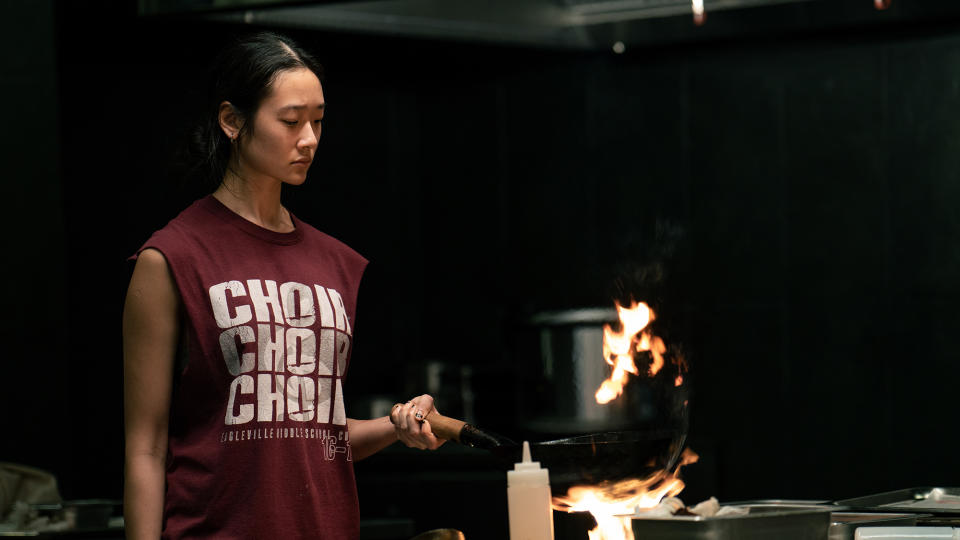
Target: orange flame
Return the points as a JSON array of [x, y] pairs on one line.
[[612, 504], [619, 348]]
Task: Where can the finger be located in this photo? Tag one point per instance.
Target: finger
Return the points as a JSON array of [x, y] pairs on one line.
[[413, 424], [394, 413], [429, 443], [425, 402], [413, 442], [396, 416], [402, 420], [406, 416], [398, 411], [433, 442]]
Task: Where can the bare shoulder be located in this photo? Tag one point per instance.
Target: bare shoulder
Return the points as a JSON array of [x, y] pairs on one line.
[[152, 258], [151, 279], [151, 264]]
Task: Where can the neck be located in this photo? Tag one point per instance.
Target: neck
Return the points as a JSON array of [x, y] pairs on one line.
[[257, 202]]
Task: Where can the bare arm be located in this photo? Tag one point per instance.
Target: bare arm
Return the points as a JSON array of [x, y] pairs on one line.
[[368, 437], [150, 334]]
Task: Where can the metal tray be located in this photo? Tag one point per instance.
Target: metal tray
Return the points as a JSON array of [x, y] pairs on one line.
[[844, 525], [926, 500], [768, 505], [843, 521], [762, 524]]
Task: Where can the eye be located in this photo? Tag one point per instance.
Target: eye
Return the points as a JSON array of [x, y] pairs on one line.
[[289, 122]]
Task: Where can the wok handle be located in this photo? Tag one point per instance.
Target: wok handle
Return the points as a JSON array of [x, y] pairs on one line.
[[445, 427], [464, 433]]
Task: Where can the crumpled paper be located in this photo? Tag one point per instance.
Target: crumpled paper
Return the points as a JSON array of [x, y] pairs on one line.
[[21, 487], [669, 507]]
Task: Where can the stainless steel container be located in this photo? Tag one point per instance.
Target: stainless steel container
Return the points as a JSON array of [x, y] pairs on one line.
[[572, 366], [843, 520], [782, 524], [559, 355]]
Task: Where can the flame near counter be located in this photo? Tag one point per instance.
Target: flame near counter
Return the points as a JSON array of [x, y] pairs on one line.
[[612, 504]]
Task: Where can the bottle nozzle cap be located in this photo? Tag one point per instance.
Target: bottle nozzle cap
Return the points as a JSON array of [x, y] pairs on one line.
[[527, 472], [526, 463]]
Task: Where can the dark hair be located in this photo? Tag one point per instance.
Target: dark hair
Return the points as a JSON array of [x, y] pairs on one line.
[[243, 73]]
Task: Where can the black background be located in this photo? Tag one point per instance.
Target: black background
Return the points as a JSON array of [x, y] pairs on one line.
[[807, 183]]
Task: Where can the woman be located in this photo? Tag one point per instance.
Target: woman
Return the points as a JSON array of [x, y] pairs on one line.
[[237, 333]]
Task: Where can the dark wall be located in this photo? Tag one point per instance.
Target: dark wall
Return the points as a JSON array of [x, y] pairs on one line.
[[37, 414], [806, 186]]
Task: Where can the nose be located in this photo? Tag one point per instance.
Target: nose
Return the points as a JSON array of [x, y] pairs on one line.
[[309, 136]]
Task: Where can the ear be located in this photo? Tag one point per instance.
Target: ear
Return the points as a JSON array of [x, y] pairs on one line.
[[230, 120]]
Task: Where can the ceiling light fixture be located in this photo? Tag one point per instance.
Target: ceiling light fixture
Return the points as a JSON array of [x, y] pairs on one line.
[[699, 16]]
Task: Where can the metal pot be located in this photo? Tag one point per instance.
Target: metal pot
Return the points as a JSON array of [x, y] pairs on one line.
[[560, 354]]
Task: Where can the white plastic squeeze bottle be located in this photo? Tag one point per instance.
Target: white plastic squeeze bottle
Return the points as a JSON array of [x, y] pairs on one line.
[[528, 499]]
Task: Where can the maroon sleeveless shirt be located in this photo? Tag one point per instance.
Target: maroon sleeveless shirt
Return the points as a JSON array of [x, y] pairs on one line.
[[258, 442]]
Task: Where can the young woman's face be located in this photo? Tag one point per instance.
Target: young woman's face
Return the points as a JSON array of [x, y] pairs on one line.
[[286, 129]]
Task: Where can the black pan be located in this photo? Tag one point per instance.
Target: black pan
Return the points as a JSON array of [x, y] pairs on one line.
[[586, 459]]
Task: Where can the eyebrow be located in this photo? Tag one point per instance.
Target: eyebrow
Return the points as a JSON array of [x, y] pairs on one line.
[[320, 107]]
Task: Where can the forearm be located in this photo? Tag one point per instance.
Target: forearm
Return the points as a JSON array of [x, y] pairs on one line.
[[367, 437], [143, 496]]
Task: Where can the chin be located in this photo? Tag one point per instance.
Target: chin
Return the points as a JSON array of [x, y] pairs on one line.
[[295, 180]]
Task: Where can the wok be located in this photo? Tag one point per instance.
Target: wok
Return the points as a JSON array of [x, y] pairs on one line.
[[586, 459]]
